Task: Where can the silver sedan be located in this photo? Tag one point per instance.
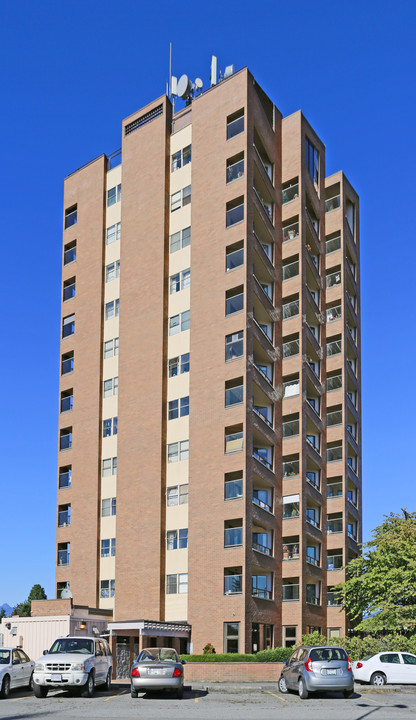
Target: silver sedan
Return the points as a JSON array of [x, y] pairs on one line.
[[157, 669]]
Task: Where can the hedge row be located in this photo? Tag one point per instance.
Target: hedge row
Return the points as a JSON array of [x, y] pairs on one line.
[[356, 647]]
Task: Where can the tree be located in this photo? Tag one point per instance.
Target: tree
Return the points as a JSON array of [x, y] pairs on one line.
[[2, 614], [379, 594], [23, 609]]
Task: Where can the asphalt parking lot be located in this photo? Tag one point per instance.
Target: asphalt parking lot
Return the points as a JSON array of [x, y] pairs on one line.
[[260, 702]]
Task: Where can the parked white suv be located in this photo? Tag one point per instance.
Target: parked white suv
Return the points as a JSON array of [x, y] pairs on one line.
[[78, 663]]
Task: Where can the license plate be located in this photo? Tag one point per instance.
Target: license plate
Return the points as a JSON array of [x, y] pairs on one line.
[[331, 672], [156, 672], [56, 678]]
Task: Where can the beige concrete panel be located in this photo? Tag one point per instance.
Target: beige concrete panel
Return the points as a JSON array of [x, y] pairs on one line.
[[114, 177], [180, 139], [110, 407], [180, 301], [180, 260], [108, 526], [180, 343], [176, 607], [178, 386], [113, 216], [176, 517], [109, 446], [111, 328], [179, 179], [111, 291], [107, 566], [177, 428], [177, 473], [107, 603], [176, 561], [112, 252], [110, 367], [108, 485], [180, 218]]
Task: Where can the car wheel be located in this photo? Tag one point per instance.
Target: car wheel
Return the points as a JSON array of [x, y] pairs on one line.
[[303, 692], [107, 684], [5, 687], [348, 694], [179, 693], [133, 692], [40, 691], [30, 686], [378, 678], [88, 689], [282, 685]]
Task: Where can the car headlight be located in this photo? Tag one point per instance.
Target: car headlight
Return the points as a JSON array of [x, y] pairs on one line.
[[39, 667], [78, 666]]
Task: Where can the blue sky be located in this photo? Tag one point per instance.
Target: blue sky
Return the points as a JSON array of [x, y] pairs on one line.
[[70, 73]]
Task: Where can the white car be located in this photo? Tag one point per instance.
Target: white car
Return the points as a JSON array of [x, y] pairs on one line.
[[74, 663], [16, 670], [386, 667]]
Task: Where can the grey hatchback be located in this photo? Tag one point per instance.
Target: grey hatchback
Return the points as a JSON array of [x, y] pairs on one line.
[[317, 669]]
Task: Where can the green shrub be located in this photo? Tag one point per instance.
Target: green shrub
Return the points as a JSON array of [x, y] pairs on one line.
[[208, 649], [279, 654], [219, 657]]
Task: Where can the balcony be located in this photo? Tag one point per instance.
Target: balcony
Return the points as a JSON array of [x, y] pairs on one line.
[[333, 599], [64, 518], [332, 245], [290, 592], [333, 348], [291, 388], [267, 206], [290, 428], [290, 309], [334, 382], [233, 536], [290, 469], [234, 303], [332, 203], [266, 329], [290, 232], [291, 192], [334, 489], [290, 270], [264, 456], [312, 477], [65, 479], [264, 549], [290, 551], [290, 510], [263, 498], [266, 292], [333, 313], [265, 414], [334, 561], [63, 557], [312, 556], [333, 279], [262, 593], [290, 348], [312, 517], [235, 170], [334, 418], [334, 526], [334, 454], [263, 370], [233, 584]]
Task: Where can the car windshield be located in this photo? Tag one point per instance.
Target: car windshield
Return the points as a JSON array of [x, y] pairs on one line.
[[4, 657], [326, 654], [73, 645], [158, 655]]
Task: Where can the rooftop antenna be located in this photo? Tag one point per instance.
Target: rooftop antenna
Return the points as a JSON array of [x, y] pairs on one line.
[[213, 70]]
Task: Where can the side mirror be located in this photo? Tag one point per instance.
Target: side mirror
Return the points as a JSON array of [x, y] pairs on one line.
[[285, 662], [183, 662], [98, 653], [45, 652]]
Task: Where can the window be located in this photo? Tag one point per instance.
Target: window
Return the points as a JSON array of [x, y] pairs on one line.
[[186, 195], [178, 365], [233, 485], [171, 540], [289, 635], [112, 271], [69, 289], [234, 346], [61, 586], [177, 494], [107, 588], [67, 398], [234, 256], [178, 408], [290, 268], [70, 252], [112, 309], [71, 216], [235, 124], [109, 467], [234, 300], [113, 233], [234, 392], [233, 581], [234, 212], [108, 507], [173, 411], [290, 506], [64, 552], [235, 167], [312, 160], [68, 325], [110, 348], [178, 323], [108, 548], [114, 195], [183, 538], [180, 198], [64, 515], [109, 427], [181, 158], [178, 451], [67, 363], [179, 281], [180, 239], [65, 476], [233, 533], [110, 387], [176, 583], [65, 439], [184, 406], [231, 637], [185, 320]]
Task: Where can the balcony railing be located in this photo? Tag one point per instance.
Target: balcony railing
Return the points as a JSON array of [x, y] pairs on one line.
[[235, 171], [234, 304], [262, 504], [264, 461], [263, 373], [334, 562], [290, 309], [234, 396], [267, 207], [290, 510], [333, 279], [264, 594], [233, 584], [290, 193], [290, 232], [263, 417], [334, 526], [65, 480], [265, 329], [332, 245], [332, 203], [267, 166], [334, 490], [313, 560], [333, 383], [63, 557], [334, 454], [291, 348], [334, 348], [64, 518], [333, 599], [233, 537], [334, 418], [290, 592], [333, 313], [264, 549], [70, 255], [312, 599], [69, 291], [65, 442], [290, 551], [312, 521], [265, 288], [290, 270], [313, 478], [291, 468], [290, 428]]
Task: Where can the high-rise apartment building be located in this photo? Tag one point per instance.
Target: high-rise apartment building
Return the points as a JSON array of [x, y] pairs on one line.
[[210, 396]]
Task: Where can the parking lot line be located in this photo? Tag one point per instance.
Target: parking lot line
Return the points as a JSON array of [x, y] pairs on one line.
[[274, 695], [374, 701], [113, 696]]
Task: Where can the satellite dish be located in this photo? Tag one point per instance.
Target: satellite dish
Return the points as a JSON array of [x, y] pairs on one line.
[[66, 594], [184, 87], [198, 83]]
